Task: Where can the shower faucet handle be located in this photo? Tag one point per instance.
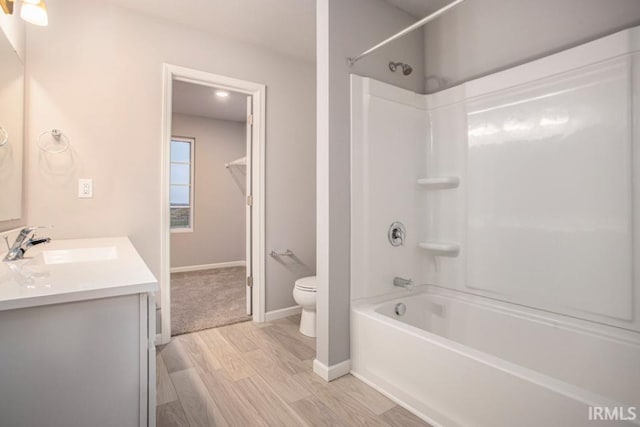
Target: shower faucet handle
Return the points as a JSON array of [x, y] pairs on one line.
[[397, 233]]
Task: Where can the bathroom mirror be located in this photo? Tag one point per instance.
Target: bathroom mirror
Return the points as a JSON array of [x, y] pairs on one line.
[[11, 133]]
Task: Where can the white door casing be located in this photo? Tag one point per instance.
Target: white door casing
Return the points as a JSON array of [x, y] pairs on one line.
[[255, 186], [249, 206]]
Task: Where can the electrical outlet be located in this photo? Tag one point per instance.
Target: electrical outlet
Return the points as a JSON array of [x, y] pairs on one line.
[[85, 188]]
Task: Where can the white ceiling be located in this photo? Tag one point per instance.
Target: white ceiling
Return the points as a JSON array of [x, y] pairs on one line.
[[197, 100], [285, 26], [419, 8]]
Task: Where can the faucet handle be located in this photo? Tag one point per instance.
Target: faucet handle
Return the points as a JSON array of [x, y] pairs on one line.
[[28, 230], [6, 242]]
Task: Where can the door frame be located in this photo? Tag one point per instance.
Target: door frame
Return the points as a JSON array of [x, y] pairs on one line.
[[258, 93]]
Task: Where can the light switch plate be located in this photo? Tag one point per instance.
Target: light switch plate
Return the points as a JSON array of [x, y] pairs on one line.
[[85, 188]]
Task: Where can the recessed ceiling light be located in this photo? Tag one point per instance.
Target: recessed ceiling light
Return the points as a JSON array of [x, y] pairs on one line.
[[222, 94]]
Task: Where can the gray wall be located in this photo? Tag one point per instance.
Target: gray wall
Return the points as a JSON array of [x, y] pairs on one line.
[[483, 36], [345, 28], [96, 73], [219, 205]]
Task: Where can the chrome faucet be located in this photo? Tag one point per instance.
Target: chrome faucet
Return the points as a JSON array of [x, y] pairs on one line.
[[23, 243], [403, 283]]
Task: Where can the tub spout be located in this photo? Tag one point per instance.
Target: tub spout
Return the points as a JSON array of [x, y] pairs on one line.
[[403, 283]]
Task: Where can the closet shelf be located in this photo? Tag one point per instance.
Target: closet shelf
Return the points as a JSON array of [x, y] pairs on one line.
[[441, 248], [439, 183], [242, 161]]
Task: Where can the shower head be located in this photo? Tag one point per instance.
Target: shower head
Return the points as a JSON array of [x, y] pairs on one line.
[[406, 68]]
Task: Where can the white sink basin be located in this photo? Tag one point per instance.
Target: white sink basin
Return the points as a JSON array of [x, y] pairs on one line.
[[67, 256]]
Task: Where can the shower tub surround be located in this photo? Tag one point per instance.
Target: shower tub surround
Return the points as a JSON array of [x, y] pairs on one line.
[[519, 196]]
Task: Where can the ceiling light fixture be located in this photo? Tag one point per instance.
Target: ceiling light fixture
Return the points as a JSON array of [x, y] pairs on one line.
[[222, 94], [34, 12]]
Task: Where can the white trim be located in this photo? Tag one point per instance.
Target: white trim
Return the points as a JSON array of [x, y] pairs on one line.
[[182, 230], [258, 95], [330, 373], [187, 268], [283, 312]]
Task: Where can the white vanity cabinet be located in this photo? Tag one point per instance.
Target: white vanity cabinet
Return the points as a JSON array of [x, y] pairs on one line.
[[77, 329]]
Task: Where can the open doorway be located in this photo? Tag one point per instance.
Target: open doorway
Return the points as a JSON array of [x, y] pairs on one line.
[[208, 190], [213, 212]]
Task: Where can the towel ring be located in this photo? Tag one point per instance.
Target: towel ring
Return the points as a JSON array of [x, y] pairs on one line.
[[4, 136], [59, 142]]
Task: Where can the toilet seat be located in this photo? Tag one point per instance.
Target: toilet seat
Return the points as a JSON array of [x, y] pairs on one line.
[[306, 284]]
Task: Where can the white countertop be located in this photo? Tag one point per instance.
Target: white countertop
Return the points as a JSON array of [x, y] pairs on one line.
[[74, 270]]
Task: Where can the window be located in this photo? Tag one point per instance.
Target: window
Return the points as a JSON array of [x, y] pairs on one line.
[[181, 190]]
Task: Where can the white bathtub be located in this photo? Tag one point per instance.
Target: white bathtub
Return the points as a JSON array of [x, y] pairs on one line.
[[459, 360]]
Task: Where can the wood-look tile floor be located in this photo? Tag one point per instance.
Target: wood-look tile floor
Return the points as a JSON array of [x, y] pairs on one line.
[[251, 374]]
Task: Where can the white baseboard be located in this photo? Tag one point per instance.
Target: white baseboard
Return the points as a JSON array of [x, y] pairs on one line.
[[330, 373], [208, 266], [283, 312]]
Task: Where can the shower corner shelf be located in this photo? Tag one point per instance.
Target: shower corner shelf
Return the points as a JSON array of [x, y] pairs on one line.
[[439, 183], [441, 248]]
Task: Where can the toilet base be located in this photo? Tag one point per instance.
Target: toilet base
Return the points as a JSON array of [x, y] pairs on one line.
[[308, 323]]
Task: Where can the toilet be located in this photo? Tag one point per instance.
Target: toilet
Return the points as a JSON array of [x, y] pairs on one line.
[[304, 293]]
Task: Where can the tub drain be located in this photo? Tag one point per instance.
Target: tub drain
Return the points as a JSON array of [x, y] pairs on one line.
[[401, 309]]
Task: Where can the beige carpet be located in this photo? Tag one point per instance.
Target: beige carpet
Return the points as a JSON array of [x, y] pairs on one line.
[[207, 299]]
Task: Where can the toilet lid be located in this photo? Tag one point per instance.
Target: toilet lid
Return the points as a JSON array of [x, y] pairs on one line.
[[307, 283]]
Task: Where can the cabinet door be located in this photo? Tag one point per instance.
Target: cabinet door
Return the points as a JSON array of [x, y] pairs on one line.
[[72, 365]]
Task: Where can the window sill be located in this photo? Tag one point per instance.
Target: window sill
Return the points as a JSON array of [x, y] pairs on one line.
[[182, 230]]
